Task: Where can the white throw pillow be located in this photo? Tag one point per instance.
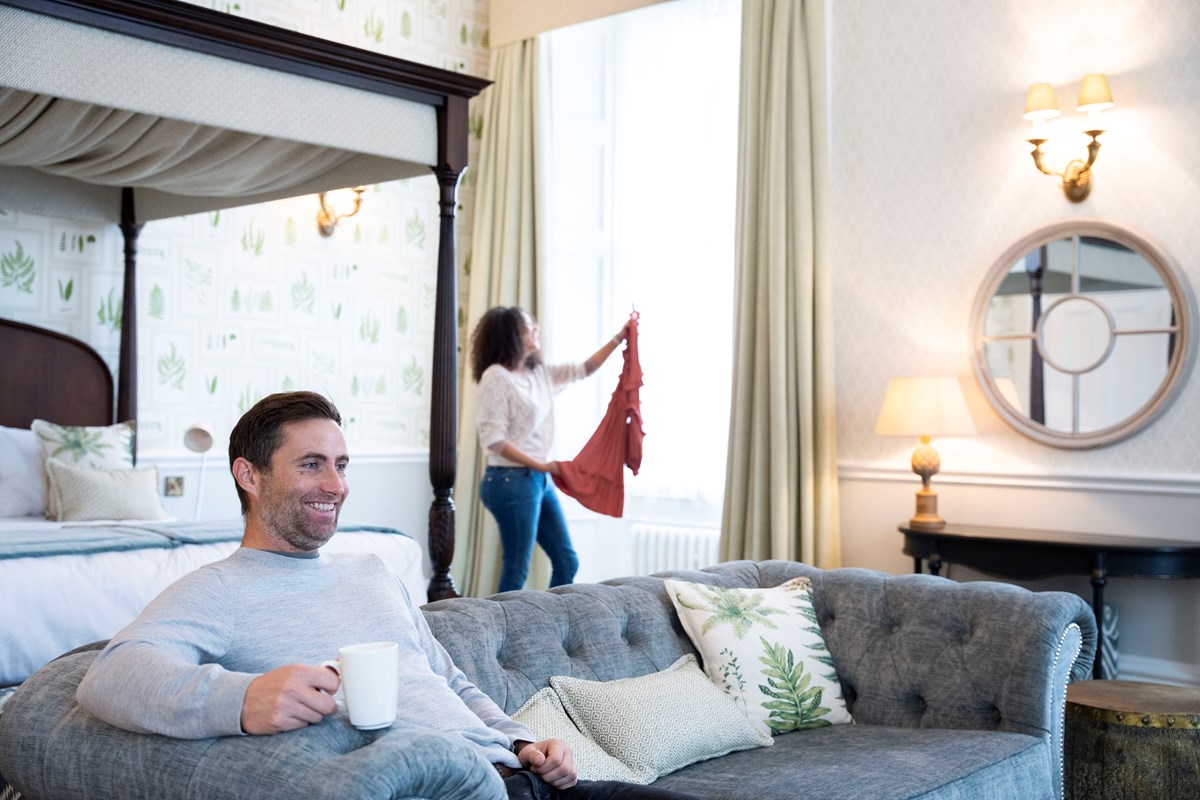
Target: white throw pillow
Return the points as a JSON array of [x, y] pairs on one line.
[[544, 715], [764, 648], [83, 494], [22, 482], [661, 722], [99, 447]]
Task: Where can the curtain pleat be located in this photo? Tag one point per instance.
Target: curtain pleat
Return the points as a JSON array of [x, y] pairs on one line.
[[506, 259], [111, 147], [781, 483]]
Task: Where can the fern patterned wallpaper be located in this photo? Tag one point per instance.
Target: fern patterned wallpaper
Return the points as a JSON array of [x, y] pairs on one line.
[[239, 303]]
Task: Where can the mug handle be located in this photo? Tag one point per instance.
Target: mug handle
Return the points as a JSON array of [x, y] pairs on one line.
[[334, 665]]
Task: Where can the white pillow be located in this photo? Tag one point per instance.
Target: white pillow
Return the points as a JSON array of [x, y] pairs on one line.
[[661, 722], [22, 484], [544, 715], [100, 447], [764, 648], [83, 494]]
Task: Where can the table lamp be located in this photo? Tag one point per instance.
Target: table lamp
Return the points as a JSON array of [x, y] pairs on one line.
[[199, 439], [925, 407]]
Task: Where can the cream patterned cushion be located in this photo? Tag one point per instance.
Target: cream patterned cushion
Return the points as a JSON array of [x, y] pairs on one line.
[[101, 447], [84, 494], [545, 716], [764, 648], [661, 722]]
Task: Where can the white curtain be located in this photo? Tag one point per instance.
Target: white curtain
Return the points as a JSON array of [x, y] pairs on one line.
[[660, 127]]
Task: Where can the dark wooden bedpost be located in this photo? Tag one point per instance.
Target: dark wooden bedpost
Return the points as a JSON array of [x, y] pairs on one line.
[[443, 423], [127, 366]]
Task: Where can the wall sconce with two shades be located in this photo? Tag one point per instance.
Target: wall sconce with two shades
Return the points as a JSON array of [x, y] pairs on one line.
[[1041, 106]]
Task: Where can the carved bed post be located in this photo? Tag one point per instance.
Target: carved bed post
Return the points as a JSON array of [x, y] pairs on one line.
[[127, 366], [443, 423]]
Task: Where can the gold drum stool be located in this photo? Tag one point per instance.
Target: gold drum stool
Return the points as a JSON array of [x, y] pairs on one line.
[[1126, 740]]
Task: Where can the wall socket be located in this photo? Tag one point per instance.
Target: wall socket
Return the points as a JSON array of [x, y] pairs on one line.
[[173, 486]]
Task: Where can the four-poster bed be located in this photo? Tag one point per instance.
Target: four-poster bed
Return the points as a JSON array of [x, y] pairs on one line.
[[128, 112]]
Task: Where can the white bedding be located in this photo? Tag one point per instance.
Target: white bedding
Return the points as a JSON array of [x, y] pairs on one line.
[[49, 605]]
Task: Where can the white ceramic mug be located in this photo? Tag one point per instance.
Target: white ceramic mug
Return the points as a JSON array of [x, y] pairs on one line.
[[370, 676]]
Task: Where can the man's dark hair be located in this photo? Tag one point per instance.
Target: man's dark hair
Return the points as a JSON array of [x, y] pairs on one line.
[[499, 338], [259, 433]]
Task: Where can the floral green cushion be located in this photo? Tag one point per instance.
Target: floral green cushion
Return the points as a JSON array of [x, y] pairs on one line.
[[100, 447], [764, 648]]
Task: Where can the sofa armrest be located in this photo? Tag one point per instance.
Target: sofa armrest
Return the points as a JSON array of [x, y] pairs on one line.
[[51, 748], [925, 651]]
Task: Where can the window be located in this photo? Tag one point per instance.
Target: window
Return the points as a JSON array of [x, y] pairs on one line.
[[641, 183]]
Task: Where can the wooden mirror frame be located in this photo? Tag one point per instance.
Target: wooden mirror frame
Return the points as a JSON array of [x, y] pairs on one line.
[[1177, 370]]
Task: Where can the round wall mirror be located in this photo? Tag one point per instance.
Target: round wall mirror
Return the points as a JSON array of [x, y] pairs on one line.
[[1083, 332]]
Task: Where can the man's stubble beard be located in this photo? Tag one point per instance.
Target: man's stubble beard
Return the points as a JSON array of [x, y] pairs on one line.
[[283, 514]]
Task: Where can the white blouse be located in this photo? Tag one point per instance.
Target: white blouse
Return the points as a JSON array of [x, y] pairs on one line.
[[517, 406]]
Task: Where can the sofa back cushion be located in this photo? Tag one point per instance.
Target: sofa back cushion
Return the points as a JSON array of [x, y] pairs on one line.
[[512, 644]]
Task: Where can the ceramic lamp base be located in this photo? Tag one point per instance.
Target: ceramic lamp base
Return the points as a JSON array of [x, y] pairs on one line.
[[927, 516]]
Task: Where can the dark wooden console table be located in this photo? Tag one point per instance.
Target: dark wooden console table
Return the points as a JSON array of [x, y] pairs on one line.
[[1025, 553]]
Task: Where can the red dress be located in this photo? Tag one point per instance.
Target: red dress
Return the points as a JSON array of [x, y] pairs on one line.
[[596, 477]]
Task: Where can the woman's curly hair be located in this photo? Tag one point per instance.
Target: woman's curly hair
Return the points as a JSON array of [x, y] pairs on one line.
[[499, 338]]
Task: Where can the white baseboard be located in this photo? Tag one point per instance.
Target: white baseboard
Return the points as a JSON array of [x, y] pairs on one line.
[[1157, 670]]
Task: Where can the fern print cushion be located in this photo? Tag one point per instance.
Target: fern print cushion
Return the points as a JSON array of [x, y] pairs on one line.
[[764, 648], [100, 447]]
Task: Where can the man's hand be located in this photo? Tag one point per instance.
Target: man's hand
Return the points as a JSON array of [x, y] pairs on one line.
[[288, 698], [551, 760]]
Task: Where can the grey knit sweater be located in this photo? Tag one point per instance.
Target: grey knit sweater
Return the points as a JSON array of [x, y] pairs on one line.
[[182, 668]]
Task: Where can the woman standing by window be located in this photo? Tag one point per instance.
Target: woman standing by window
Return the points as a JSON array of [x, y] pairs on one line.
[[515, 421]]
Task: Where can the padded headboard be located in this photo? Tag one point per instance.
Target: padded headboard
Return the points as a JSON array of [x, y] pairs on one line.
[[47, 375]]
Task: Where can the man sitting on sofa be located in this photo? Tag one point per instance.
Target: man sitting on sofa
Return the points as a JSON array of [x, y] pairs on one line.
[[230, 649]]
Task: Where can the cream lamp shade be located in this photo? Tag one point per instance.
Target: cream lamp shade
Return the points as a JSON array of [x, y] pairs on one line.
[[1040, 103], [1094, 94], [925, 407]]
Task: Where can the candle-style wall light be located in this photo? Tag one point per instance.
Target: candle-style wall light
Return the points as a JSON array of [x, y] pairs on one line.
[[1041, 105]]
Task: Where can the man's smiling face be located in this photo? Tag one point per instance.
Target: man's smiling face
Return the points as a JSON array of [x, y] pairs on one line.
[[300, 497]]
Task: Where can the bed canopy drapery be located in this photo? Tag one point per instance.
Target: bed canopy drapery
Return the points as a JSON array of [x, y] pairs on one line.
[[128, 112]]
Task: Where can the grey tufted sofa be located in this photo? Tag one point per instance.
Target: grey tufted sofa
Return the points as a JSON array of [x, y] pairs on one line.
[[957, 690]]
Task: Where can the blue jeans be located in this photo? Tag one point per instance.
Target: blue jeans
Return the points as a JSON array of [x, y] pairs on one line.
[[526, 508]]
